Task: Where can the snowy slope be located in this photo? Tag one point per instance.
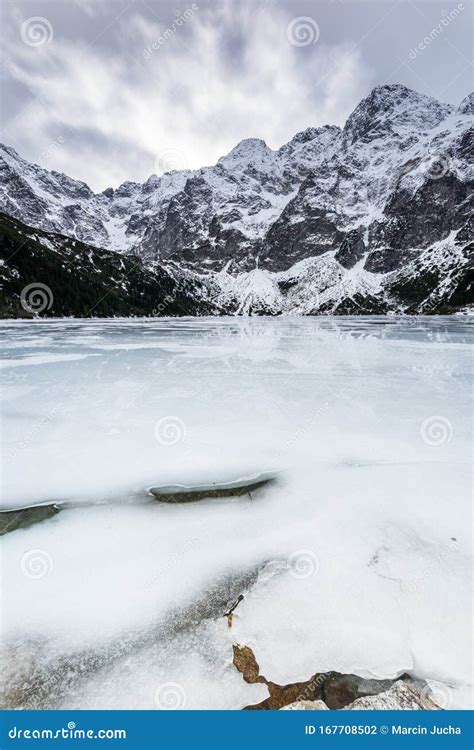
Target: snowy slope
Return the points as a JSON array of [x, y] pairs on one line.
[[439, 279]]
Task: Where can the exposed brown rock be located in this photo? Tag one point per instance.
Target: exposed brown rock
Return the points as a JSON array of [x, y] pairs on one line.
[[246, 663], [341, 689], [230, 613], [283, 695], [280, 695], [332, 690]]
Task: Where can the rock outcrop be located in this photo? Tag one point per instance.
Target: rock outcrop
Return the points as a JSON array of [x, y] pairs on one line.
[[335, 691], [401, 696]]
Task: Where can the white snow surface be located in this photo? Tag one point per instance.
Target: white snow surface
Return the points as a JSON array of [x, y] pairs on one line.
[[356, 559]]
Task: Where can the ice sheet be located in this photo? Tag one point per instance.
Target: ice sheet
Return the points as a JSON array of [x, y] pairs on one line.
[[357, 559]]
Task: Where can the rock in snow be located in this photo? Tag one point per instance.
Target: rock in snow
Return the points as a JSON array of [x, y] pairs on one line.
[[306, 706], [400, 697], [333, 690], [179, 493]]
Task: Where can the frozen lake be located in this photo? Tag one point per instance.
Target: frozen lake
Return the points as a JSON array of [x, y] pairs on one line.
[[356, 558]]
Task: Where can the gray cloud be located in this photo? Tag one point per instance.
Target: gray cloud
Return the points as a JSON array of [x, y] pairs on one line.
[[118, 83]]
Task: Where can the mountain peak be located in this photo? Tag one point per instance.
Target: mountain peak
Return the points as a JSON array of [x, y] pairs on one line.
[[387, 90], [248, 150], [311, 133], [467, 105], [10, 151], [305, 135], [392, 107]]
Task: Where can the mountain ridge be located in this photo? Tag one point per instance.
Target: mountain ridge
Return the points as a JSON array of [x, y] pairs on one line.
[[368, 200]]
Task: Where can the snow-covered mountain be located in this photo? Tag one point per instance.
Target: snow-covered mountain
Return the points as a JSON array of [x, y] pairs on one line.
[[371, 218]]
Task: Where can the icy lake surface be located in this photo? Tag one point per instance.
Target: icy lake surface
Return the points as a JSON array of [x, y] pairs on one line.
[[356, 558]]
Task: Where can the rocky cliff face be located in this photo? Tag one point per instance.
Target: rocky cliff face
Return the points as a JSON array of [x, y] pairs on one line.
[[371, 218]]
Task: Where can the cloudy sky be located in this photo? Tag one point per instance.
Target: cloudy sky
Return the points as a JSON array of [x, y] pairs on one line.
[[114, 90]]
